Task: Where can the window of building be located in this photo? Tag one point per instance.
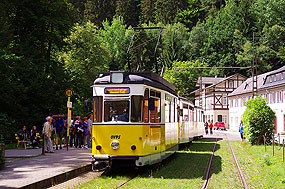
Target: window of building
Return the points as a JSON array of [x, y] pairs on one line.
[[98, 106], [224, 118], [278, 76], [274, 77], [270, 78], [137, 108], [230, 84], [277, 97], [225, 100], [282, 75]]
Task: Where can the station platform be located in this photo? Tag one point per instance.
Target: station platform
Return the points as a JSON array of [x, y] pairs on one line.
[[29, 169]]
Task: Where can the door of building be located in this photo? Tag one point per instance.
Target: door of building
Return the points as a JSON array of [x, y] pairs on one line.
[[220, 118]]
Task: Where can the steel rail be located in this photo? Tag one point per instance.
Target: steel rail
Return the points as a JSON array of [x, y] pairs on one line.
[[209, 166], [131, 178], [241, 176]]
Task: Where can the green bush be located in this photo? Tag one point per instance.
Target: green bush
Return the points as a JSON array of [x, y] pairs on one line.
[[258, 120]]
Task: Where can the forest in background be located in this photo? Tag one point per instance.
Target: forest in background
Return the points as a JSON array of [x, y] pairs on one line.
[[48, 46]]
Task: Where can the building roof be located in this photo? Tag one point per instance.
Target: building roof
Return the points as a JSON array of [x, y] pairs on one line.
[[280, 81], [246, 87], [209, 80], [220, 80]]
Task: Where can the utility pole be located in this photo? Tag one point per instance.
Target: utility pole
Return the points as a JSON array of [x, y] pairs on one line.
[[254, 68]]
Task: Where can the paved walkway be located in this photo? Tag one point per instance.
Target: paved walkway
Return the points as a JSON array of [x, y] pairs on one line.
[[17, 153], [20, 172], [233, 136]]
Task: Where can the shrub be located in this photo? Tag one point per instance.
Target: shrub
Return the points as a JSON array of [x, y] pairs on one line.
[[258, 120]]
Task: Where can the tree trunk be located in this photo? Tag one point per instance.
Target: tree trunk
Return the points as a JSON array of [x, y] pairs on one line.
[[259, 138]]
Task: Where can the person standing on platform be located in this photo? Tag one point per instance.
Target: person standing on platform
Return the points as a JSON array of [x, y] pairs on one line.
[[47, 135], [78, 132], [85, 132], [206, 127], [211, 127], [59, 125], [241, 130], [90, 122]]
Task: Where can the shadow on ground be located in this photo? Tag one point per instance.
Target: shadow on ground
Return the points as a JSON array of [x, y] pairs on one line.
[[188, 163]]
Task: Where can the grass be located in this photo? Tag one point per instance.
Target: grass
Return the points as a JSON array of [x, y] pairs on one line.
[[261, 169], [111, 180], [185, 169], [228, 176]]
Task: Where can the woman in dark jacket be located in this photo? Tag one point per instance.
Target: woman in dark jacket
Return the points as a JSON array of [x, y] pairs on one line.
[[34, 137]]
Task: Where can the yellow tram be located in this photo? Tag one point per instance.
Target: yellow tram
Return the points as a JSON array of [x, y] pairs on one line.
[[139, 119]]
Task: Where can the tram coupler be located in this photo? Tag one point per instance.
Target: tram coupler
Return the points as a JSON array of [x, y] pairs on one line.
[[101, 165]]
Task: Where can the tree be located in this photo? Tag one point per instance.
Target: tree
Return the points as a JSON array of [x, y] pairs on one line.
[[166, 10], [129, 10], [147, 10], [115, 38], [85, 57], [191, 14], [98, 11], [183, 79], [258, 120], [174, 44]]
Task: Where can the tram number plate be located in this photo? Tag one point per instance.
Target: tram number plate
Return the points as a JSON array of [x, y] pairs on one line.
[[115, 136], [115, 90]]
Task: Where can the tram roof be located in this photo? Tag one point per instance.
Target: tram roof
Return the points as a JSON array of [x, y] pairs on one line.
[[146, 77]]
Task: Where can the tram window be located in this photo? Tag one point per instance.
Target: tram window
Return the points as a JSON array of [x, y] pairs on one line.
[[155, 113], [145, 107], [116, 111], [137, 106], [98, 105]]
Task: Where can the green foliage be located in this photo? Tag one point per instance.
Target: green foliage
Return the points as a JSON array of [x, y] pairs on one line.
[[129, 10], [85, 56], [166, 10], [174, 44], [183, 79], [116, 39], [258, 120], [98, 11], [147, 10]]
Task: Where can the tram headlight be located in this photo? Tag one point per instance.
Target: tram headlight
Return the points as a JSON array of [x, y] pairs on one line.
[[115, 145]]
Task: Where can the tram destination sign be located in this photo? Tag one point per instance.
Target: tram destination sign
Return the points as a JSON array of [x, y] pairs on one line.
[[117, 90]]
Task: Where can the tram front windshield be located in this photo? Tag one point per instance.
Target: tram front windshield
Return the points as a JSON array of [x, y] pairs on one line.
[[116, 111]]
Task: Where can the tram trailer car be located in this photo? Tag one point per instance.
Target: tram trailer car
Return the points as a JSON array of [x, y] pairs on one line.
[[138, 118]]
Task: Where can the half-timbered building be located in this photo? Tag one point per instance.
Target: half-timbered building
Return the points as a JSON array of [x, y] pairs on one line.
[[212, 96]]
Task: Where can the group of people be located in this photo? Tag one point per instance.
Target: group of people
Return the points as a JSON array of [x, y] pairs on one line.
[[207, 126], [79, 132], [25, 135]]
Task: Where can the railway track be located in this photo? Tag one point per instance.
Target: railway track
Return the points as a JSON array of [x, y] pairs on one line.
[[240, 173], [209, 165], [237, 166]]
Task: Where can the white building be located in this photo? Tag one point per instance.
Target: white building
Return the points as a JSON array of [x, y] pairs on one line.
[[270, 86]]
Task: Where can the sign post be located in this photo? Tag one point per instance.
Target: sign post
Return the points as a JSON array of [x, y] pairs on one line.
[[69, 105]]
